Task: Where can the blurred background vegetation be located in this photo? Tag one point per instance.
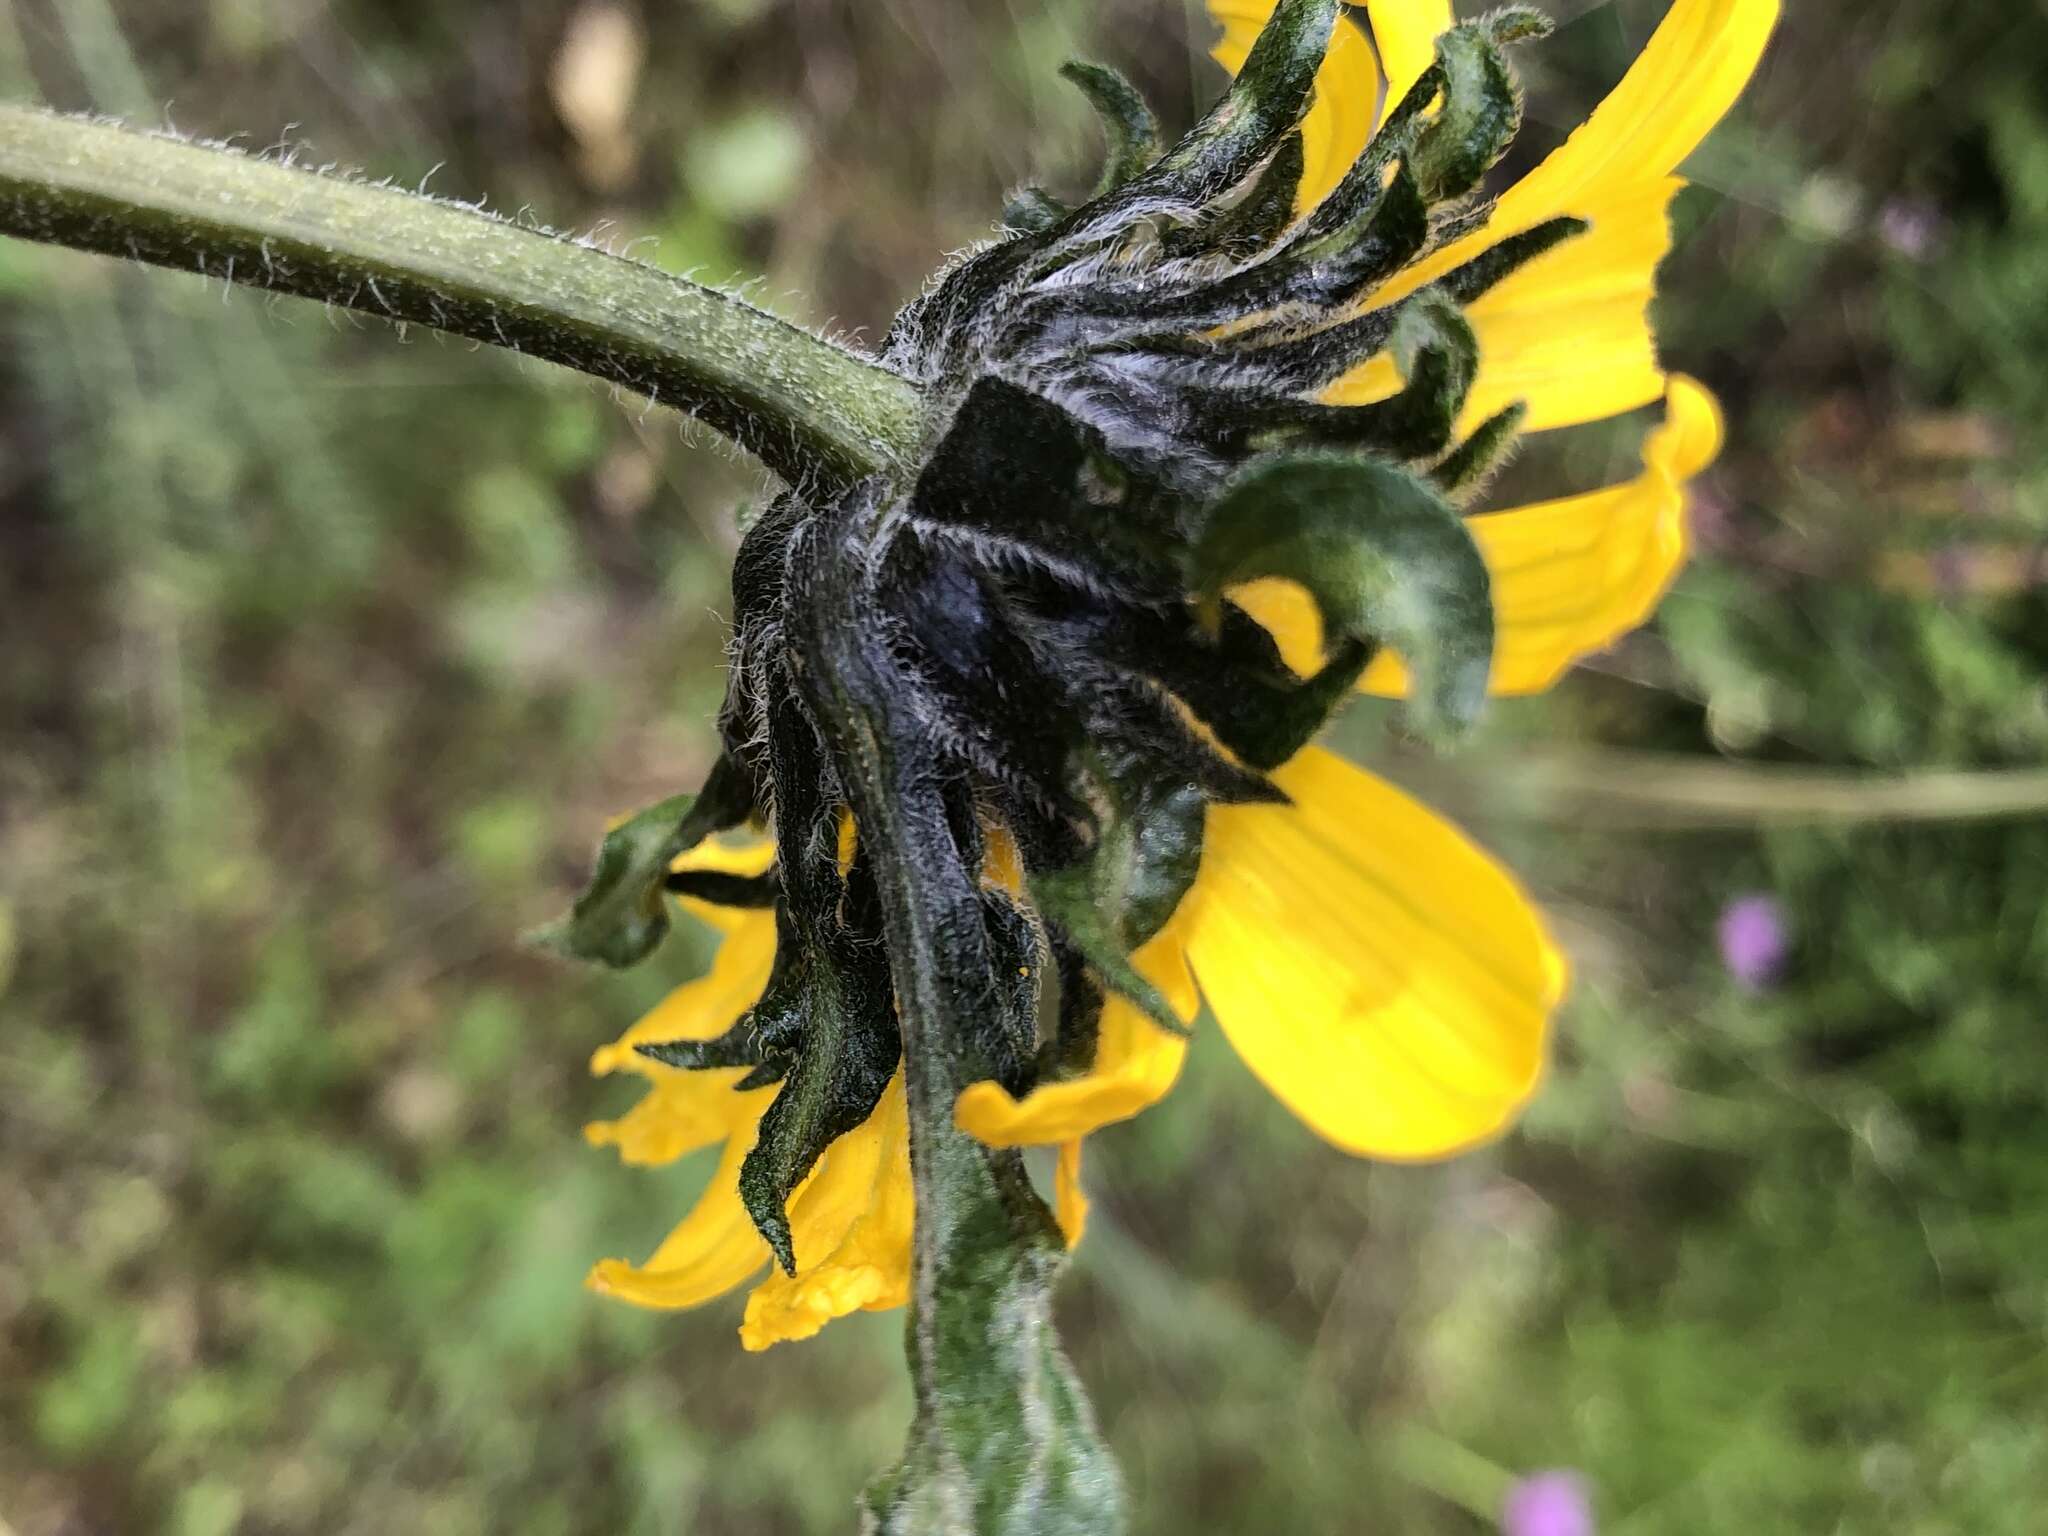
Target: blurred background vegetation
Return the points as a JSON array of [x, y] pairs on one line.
[[325, 652]]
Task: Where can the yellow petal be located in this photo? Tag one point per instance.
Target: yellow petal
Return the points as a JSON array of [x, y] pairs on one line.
[[1680, 85], [1346, 108], [838, 1191], [1287, 613], [1070, 1203], [744, 855], [1002, 867], [682, 1110], [1677, 89], [1380, 974], [713, 1249], [1570, 577], [1136, 1062], [1568, 334], [705, 1008], [679, 1113], [852, 1225], [1341, 121], [1241, 20], [849, 842], [1406, 31]]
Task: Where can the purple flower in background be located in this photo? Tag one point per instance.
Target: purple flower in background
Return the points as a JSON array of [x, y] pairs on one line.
[[1910, 226], [1755, 940], [1548, 1504]]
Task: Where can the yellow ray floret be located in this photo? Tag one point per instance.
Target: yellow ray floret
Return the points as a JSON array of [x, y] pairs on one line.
[[711, 1250], [852, 1226], [1570, 577], [1136, 1062], [1383, 976], [1387, 980], [1070, 1205], [683, 1111], [1346, 108], [1569, 335], [1682, 83], [850, 1220], [1405, 32]]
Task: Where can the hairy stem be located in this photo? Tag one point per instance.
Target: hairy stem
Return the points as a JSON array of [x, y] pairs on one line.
[[810, 410], [1005, 1442]]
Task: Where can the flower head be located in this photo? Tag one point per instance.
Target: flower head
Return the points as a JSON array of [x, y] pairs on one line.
[[1040, 706]]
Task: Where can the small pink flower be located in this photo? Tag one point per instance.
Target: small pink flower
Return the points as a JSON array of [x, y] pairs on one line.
[[1755, 940], [1548, 1504]]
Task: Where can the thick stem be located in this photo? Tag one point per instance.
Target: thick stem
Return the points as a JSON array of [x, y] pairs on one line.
[[1005, 1442], [810, 410]]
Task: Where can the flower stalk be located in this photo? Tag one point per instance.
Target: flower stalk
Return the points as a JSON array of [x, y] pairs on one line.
[[815, 413], [1004, 1442]]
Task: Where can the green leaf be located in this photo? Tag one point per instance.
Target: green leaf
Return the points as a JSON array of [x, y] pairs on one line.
[[1384, 555], [839, 1013], [1122, 894], [1127, 121], [1481, 111], [1264, 102], [1033, 210], [623, 912], [1464, 471]]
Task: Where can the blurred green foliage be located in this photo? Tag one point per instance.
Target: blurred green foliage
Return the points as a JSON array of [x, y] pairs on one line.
[[327, 656]]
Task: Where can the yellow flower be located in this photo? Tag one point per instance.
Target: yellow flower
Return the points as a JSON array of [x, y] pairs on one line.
[[1384, 977], [851, 1219], [1379, 973]]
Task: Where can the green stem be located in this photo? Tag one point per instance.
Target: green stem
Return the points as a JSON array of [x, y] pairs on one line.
[[810, 410], [1005, 1442], [1679, 792]]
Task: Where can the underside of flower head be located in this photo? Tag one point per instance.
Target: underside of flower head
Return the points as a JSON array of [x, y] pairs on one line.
[[1125, 425], [1009, 696]]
